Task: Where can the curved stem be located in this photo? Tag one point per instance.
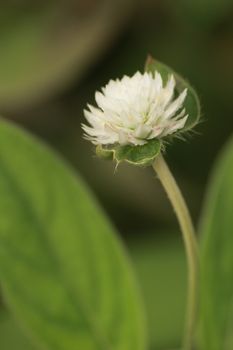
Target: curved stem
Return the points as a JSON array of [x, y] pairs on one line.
[[190, 243]]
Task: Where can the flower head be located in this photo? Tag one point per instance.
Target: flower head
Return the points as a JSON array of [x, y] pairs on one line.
[[134, 110]]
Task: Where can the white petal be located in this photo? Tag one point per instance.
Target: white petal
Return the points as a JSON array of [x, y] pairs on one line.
[[158, 82], [142, 131], [93, 119], [91, 131], [134, 110], [167, 92], [176, 125], [123, 138], [102, 101], [175, 105]]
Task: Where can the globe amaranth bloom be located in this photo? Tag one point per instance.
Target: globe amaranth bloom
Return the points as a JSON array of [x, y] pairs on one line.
[[134, 110]]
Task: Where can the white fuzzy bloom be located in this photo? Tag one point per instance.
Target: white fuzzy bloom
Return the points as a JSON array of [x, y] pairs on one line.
[[134, 110]]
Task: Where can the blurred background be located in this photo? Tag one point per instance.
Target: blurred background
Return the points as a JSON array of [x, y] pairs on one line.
[[55, 54]]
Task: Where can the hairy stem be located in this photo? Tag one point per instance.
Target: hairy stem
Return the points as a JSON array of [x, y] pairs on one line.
[[189, 238]]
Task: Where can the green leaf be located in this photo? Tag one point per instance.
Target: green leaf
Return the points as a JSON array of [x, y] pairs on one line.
[[159, 260], [11, 337], [141, 155], [191, 103], [47, 44], [63, 272], [216, 321]]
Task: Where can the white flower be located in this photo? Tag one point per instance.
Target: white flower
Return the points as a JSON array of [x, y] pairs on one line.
[[134, 110]]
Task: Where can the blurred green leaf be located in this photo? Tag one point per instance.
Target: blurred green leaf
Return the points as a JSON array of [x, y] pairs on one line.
[[45, 45], [216, 326], [11, 337], [63, 272], [191, 103], [161, 268]]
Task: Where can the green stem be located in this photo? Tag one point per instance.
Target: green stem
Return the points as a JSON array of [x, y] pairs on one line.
[[190, 243]]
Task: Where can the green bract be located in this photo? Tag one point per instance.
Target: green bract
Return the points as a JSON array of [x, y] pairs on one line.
[[136, 155]]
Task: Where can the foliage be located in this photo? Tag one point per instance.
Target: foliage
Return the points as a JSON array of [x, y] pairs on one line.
[[63, 272], [216, 327]]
